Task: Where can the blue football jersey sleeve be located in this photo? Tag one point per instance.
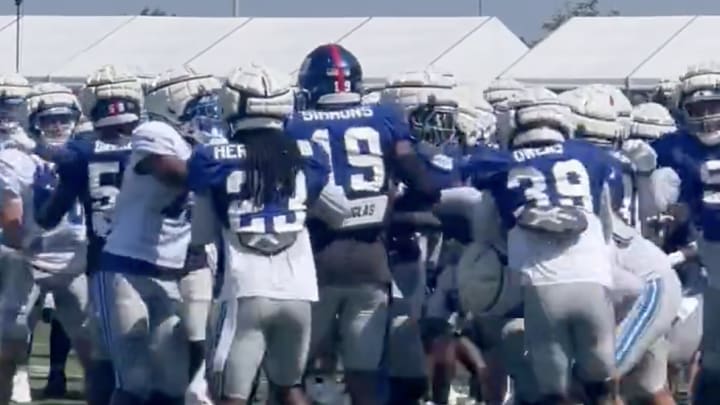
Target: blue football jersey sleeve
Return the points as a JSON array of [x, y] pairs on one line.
[[698, 167], [480, 167], [71, 167]]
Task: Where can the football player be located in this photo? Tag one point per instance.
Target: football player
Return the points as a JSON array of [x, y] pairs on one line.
[[688, 161], [254, 192], [147, 248], [368, 146], [44, 261], [189, 102], [90, 170], [552, 197], [431, 109]]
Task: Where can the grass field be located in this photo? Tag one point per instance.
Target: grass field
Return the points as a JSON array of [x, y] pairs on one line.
[[39, 365]]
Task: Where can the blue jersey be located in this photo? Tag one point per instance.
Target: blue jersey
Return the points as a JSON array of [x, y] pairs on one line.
[[698, 166], [360, 142], [568, 174], [220, 170], [623, 188], [90, 171]]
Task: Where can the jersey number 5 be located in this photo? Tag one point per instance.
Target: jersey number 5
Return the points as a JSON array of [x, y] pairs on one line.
[[568, 180], [103, 186], [364, 157]]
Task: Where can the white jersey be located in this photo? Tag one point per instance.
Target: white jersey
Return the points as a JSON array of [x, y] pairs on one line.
[[151, 218], [51, 251]]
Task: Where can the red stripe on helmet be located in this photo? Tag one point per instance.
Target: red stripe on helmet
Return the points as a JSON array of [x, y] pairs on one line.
[[339, 70]]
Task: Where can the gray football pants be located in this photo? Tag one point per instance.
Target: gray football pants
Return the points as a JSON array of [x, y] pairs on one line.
[[140, 322], [650, 318], [247, 333], [566, 323]]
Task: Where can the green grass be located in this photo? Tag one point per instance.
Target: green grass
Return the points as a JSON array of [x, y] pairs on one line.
[[39, 365]]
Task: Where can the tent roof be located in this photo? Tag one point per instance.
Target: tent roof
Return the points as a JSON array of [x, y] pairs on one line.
[[603, 49], [697, 42], [278, 42], [67, 48]]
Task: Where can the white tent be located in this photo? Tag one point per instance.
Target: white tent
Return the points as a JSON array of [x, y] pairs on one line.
[[632, 52], [67, 49]]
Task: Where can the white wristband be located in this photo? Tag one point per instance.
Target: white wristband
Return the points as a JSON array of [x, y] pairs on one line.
[[677, 258]]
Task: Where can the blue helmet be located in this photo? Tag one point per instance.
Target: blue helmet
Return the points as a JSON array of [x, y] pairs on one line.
[[328, 69]]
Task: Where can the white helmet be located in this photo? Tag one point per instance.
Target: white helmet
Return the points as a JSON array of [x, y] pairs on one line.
[[594, 116], [619, 100], [112, 96], [700, 101], [13, 91], [476, 120], [536, 115], [650, 122], [429, 102], [53, 112], [667, 93], [501, 90], [255, 96], [188, 101]]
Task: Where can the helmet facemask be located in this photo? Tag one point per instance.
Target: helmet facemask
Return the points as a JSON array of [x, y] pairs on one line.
[[434, 122], [12, 112], [702, 115], [202, 121], [56, 124]]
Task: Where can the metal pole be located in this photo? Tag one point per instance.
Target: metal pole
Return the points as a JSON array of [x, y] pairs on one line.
[[18, 5], [480, 8], [236, 8]]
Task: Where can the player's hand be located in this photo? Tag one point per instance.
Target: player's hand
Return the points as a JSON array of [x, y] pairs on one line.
[[44, 184], [641, 154]]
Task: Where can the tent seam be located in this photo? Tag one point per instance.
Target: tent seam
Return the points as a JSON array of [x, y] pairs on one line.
[[656, 51], [461, 40], [93, 44], [217, 41]]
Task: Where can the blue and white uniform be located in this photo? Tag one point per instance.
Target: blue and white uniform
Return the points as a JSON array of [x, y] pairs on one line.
[[55, 258]]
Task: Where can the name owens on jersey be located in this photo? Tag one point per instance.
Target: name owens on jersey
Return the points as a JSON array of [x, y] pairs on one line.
[[360, 142], [90, 170], [571, 174], [698, 166]]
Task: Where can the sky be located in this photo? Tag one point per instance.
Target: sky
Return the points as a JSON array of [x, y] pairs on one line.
[[524, 17]]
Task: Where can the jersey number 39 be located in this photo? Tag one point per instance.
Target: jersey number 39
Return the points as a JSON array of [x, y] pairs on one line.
[[568, 185]]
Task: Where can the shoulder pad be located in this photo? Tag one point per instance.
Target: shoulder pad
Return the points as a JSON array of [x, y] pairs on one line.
[[159, 138], [17, 169], [442, 162]]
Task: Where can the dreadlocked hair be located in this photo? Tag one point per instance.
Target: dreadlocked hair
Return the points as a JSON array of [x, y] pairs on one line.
[[273, 161]]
